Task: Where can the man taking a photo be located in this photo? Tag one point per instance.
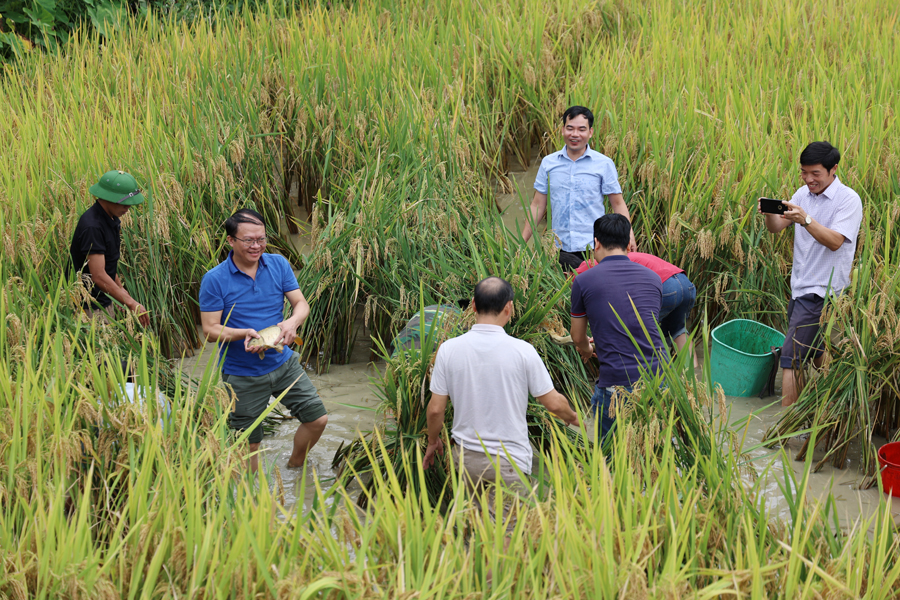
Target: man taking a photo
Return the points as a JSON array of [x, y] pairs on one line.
[[825, 215]]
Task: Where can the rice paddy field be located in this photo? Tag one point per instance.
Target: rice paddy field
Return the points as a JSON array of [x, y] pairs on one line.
[[383, 132]]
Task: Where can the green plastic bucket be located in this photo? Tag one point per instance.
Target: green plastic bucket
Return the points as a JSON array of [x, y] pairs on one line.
[[742, 356]]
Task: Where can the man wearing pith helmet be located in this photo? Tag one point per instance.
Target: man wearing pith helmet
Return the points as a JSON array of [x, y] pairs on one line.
[[97, 241]]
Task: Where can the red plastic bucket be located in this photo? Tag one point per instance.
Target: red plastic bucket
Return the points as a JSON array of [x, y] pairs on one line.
[[889, 458]]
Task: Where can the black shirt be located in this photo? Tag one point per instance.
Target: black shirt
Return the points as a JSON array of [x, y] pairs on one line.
[[97, 233]]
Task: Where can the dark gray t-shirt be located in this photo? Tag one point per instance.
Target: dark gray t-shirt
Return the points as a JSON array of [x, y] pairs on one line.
[[603, 295]]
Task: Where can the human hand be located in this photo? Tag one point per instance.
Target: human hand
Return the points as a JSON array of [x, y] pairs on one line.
[[586, 351], [288, 332], [436, 447], [632, 244], [251, 334], [794, 214], [142, 314]]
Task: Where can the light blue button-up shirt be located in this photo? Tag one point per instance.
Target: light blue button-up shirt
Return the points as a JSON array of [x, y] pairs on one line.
[[575, 189]]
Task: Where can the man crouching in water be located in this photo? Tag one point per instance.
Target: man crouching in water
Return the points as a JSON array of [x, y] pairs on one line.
[[248, 291], [488, 375]]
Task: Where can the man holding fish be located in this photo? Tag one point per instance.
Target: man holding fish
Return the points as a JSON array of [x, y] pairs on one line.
[[246, 293]]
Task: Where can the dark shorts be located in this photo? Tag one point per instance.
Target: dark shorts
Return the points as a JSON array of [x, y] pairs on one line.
[[803, 340], [569, 261], [678, 298], [252, 397]]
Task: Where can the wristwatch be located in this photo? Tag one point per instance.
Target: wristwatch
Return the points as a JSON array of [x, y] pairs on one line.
[[806, 221]]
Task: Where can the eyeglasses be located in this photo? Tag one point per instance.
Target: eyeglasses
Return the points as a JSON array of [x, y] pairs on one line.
[[254, 242]]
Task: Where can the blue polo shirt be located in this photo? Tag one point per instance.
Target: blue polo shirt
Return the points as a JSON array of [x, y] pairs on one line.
[[576, 189], [247, 302], [608, 290]]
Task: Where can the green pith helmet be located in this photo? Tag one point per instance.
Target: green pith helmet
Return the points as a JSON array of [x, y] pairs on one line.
[[118, 187]]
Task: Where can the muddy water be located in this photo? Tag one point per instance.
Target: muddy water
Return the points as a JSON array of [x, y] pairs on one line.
[[351, 400], [515, 205], [752, 417]]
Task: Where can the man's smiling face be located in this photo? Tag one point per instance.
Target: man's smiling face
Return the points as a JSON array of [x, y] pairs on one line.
[[816, 177], [577, 133]]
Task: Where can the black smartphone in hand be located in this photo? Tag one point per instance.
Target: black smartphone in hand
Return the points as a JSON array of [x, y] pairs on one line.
[[772, 206]]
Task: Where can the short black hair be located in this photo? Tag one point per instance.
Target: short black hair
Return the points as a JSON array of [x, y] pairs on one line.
[[820, 153], [574, 111], [492, 295], [244, 215], [613, 231]]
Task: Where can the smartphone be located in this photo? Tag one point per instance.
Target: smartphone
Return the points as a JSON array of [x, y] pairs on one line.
[[772, 206]]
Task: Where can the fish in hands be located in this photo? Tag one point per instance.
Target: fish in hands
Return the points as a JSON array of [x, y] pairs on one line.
[[267, 340]]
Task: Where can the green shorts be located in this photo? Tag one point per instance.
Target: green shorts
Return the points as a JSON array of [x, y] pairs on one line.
[[252, 396]]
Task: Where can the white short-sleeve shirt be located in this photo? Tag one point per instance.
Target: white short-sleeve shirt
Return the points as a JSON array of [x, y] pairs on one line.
[[815, 266], [488, 376]]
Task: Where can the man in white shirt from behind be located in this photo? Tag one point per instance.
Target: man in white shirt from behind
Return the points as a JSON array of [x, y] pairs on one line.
[[488, 376]]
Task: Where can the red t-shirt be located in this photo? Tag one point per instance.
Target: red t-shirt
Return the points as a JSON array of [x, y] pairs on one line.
[[654, 263]]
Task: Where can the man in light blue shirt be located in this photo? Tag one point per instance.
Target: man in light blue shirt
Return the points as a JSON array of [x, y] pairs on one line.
[[576, 179]]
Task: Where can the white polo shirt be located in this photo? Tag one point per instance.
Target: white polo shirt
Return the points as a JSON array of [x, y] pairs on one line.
[[488, 376], [838, 208]]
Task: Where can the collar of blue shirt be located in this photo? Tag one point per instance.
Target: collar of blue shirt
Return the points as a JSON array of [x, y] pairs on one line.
[[588, 153], [234, 268]]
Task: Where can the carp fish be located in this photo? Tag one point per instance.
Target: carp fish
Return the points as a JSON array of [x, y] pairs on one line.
[[266, 340]]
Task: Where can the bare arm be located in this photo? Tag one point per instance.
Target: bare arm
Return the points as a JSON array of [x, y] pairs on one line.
[[299, 313], [434, 414], [559, 407], [617, 202], [114, 288], [538, 210], [580, 338], [216, 332], [829, 238]]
